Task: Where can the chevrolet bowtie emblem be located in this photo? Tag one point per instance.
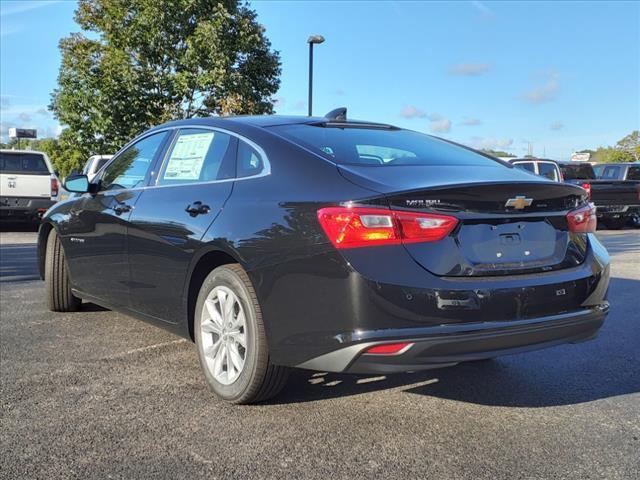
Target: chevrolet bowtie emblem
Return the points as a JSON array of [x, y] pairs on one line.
[[519, 202]]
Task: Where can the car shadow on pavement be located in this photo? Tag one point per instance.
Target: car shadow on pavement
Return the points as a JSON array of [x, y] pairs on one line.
[[606, 367]]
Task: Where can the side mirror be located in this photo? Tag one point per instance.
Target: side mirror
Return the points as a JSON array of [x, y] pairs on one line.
[[77, 183]]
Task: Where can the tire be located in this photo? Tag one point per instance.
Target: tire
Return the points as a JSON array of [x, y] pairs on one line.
[[56, 276], [219, 339]]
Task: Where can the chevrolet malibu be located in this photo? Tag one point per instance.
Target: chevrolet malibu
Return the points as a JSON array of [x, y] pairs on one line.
[[326, 244]]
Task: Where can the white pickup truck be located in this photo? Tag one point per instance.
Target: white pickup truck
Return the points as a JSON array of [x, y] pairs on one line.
[[28, 185]]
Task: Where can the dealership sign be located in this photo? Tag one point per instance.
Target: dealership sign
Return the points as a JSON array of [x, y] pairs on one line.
[[580, 157], [23, 133]]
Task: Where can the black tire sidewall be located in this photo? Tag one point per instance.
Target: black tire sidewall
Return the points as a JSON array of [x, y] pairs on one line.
[[224, 276]]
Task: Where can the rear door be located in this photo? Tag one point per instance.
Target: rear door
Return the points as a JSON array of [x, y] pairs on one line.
[[192, 184], [95, 236]]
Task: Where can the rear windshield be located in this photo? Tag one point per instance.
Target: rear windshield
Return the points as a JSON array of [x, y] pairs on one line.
[[23, 163], [579, 171], [380, 147]]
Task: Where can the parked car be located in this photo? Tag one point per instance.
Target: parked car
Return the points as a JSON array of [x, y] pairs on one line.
[[540, 166], [28, 185], [326, 244], [617, 200]]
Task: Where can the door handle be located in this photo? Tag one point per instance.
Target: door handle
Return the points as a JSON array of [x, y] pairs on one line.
[[197, 208], [121, 208]]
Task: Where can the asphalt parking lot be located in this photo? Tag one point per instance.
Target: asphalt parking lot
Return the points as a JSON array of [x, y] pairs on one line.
[[96, 394]]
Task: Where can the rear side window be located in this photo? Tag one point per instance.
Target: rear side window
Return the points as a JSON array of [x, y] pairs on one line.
[[250, 162], [528, 166], [198, 155], [579, 171], [633, 173], [379, 147], [23, 163], [548, 170]]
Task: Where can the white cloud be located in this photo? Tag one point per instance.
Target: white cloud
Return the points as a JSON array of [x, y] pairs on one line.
[[543, 93], [442, 125], [12, 7], [412, 112], [471, 122], [435, 116], [278, 102], [469, 69], [485, 12], [491, 143], [24, 117], [556, 126]]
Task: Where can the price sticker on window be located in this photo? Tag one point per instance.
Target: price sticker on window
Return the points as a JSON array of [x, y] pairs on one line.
[[187, 157]]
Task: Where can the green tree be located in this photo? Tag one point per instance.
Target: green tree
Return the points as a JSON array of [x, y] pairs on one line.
[[498, 153], [144, 62], [630, 145]]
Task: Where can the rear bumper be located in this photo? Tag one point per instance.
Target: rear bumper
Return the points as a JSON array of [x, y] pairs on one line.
[[23, 208], [446, 345]]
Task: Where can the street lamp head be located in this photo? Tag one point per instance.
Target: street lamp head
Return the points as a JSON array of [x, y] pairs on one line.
[[315, 39]]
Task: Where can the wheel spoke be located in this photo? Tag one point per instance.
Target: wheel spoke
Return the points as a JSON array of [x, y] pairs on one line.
[[212, 350], [209, 326], [236, 359], [219, 361], [230, 365], [239, 320], [213, 312], [227, 312]]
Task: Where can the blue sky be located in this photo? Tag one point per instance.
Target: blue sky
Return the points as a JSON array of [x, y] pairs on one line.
[[561, 75]]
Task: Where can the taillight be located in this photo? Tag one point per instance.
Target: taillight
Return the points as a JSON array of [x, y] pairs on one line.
[[363, 227], [587, 187], [54, 187], [583, 220]]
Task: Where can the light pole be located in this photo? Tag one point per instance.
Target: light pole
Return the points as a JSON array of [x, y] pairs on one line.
[[313, 39]]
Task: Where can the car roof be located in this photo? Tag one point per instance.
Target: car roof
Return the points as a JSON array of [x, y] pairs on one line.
[[8, 150], [622, 164], [265, 121]]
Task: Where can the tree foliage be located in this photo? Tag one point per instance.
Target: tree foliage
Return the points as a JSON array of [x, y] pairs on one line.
[[498, 153], [139, 63]]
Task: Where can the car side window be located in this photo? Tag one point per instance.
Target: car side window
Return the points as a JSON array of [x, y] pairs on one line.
[[610, 173], [548, 170], [198, 155], [130, 168], [528, 166], [250, 162], [633, 173]]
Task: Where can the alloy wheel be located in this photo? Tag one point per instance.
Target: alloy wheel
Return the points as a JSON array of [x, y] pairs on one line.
[[224, 335]]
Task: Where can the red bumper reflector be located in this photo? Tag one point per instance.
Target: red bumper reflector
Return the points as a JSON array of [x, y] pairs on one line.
[[389, 348]]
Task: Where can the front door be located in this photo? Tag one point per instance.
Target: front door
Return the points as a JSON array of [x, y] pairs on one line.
[[95, 237], [172, 216]]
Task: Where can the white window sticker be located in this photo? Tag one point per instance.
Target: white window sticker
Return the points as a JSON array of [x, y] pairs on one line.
[[187, 157]]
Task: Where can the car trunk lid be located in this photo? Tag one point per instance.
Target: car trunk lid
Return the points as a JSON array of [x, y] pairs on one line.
[[508, 227]]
